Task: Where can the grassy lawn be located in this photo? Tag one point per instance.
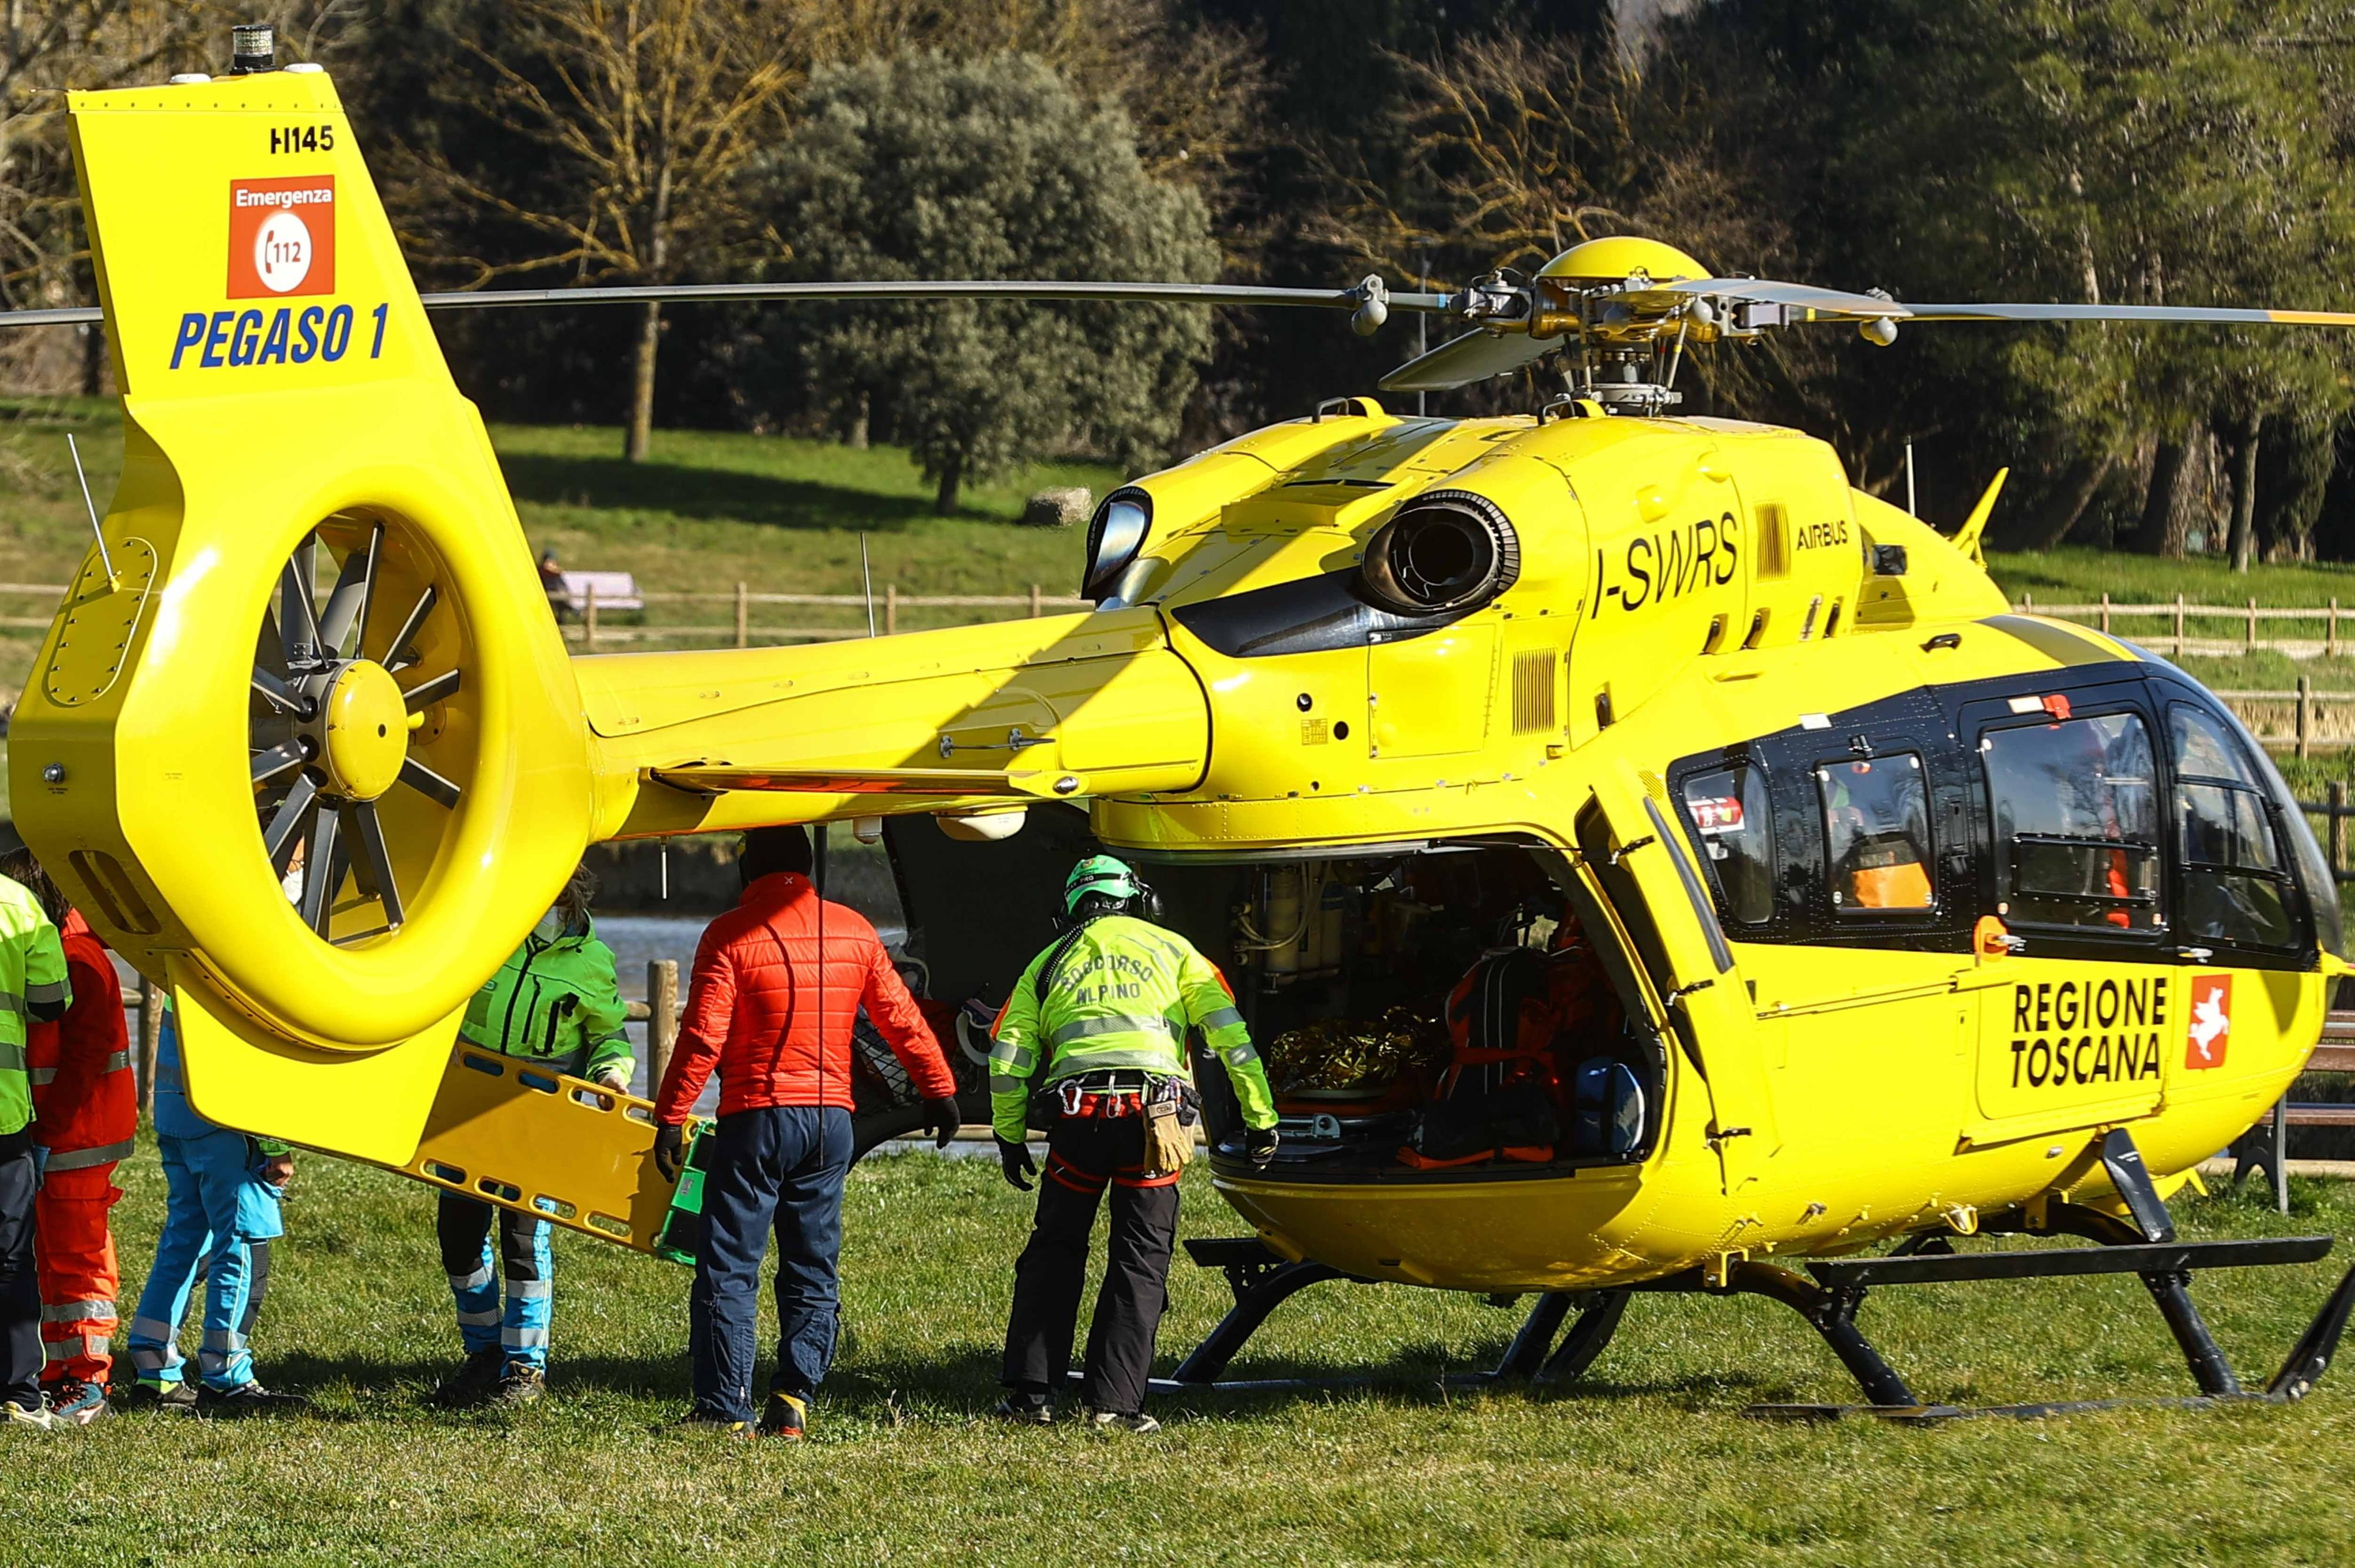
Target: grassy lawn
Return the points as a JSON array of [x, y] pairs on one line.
[[1650, 1462]]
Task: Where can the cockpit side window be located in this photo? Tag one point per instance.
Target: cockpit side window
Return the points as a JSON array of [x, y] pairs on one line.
[[1876, 835], [2236, 873], [1735, 826], [2075, 809]]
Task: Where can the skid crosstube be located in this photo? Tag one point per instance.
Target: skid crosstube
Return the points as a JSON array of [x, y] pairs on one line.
[[513, 1133]]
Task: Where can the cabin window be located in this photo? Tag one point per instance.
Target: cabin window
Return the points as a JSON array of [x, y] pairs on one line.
[[1735, 829], [2075, 809], [2235, 879], [1877, 832]]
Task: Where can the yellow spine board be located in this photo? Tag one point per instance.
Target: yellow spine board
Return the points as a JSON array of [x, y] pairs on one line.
[[516, 1134]]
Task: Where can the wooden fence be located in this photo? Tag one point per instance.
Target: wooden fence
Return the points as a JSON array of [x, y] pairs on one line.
[[594, 626], [2176, 628], [594, 629]]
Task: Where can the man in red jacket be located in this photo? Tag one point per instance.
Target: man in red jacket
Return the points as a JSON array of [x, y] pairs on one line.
[[85, 1116], [778, 983]]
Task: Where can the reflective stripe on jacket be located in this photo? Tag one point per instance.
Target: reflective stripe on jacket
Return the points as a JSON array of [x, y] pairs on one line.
[[779, 980], [83, 1097], [33, 989], [554, 1001], [1121, 992]]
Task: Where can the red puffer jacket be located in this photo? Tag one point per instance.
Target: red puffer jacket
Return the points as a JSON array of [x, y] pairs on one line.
[[775, 1020], [83, 1096]]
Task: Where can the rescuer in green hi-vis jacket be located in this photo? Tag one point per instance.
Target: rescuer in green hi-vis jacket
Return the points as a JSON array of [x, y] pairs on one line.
[[556, 1001], [1100, 1020]]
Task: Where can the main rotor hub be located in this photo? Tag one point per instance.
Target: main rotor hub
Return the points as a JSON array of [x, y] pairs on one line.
[[362, 730]]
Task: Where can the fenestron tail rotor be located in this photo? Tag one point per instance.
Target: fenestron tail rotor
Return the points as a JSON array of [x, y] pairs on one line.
[[333, 735]]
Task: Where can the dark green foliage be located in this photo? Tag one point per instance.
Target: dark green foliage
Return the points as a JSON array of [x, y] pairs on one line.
[[924, 166]]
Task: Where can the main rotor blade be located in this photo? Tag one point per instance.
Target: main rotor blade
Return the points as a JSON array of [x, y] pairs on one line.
[[374, 865], [1475, 357], [935, 288], [1768, 291], [927, 288], [279, 838], [355, 587], [2178, 316]]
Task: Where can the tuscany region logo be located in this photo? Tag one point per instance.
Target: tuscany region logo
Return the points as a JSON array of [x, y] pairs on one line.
[[2210, 1029], [281, 236]]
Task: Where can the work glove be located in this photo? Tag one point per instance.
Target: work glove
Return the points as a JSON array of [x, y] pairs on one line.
[[40, 1166], [670, 1149], [1259, 1146], [616, 1078], [1014, 1159], [942, 1120]]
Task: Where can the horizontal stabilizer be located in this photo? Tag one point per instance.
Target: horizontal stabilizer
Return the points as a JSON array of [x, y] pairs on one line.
[[711, 778]]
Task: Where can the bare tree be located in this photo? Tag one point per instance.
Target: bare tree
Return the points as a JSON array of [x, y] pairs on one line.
[[647, 114]]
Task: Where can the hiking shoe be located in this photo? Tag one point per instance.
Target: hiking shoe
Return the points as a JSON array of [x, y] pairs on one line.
[[248, 1398], [473, 1383], [17, 1417], [73, 1403], [718, 1425], [178, 1397], [1115, 1421], [787, 1417], [520, 1383], [1024, 1411]]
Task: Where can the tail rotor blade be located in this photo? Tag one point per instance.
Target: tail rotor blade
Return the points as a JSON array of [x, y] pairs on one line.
[[373, 864], [355, 587], [323, 873], [284, 830]]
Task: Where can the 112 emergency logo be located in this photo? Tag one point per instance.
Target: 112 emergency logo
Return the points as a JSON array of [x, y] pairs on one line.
[[281, 236], [2209, 1031]]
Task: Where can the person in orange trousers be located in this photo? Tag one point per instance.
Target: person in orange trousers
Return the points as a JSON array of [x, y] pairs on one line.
[[85, 1116]]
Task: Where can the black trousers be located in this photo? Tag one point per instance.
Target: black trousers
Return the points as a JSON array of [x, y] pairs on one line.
[[20, 1286], [1085, 1155]]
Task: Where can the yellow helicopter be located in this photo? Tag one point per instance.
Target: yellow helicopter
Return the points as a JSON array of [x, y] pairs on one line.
[[1849, 906]]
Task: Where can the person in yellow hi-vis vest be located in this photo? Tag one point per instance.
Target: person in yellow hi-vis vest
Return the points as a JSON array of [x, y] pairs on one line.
[[1101, 1019], [32, 987]]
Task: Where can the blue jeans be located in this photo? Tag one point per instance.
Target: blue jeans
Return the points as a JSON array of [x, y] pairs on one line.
[[220, 1217], [781, 1165]]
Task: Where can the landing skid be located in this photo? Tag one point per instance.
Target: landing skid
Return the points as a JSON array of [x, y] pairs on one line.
[[1829, 1302], [1262, 1282]]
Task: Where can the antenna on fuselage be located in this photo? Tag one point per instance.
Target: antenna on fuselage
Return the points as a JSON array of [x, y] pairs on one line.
[[104, 559]]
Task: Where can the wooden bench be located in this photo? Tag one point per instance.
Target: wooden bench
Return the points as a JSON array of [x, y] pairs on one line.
[[2265, 1146], [610, 590]]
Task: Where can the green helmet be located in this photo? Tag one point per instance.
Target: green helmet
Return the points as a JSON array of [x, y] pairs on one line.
[[1102, 875]]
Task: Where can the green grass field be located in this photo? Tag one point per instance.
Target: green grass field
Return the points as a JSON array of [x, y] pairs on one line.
[[1650, 1462]]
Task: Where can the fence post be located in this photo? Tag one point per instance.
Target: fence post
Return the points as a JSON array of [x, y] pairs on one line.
[[2253, 626], [1034, 601], [2338, 828], [890, 609], [2105, 611], [2027, 604], [2179, 626], [589, 622], [2305, 704], [743, 614], [2330, 637], [151, 1042], [662, 1019]]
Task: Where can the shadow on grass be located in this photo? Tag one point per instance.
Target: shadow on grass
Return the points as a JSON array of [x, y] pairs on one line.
[[722, 495]]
